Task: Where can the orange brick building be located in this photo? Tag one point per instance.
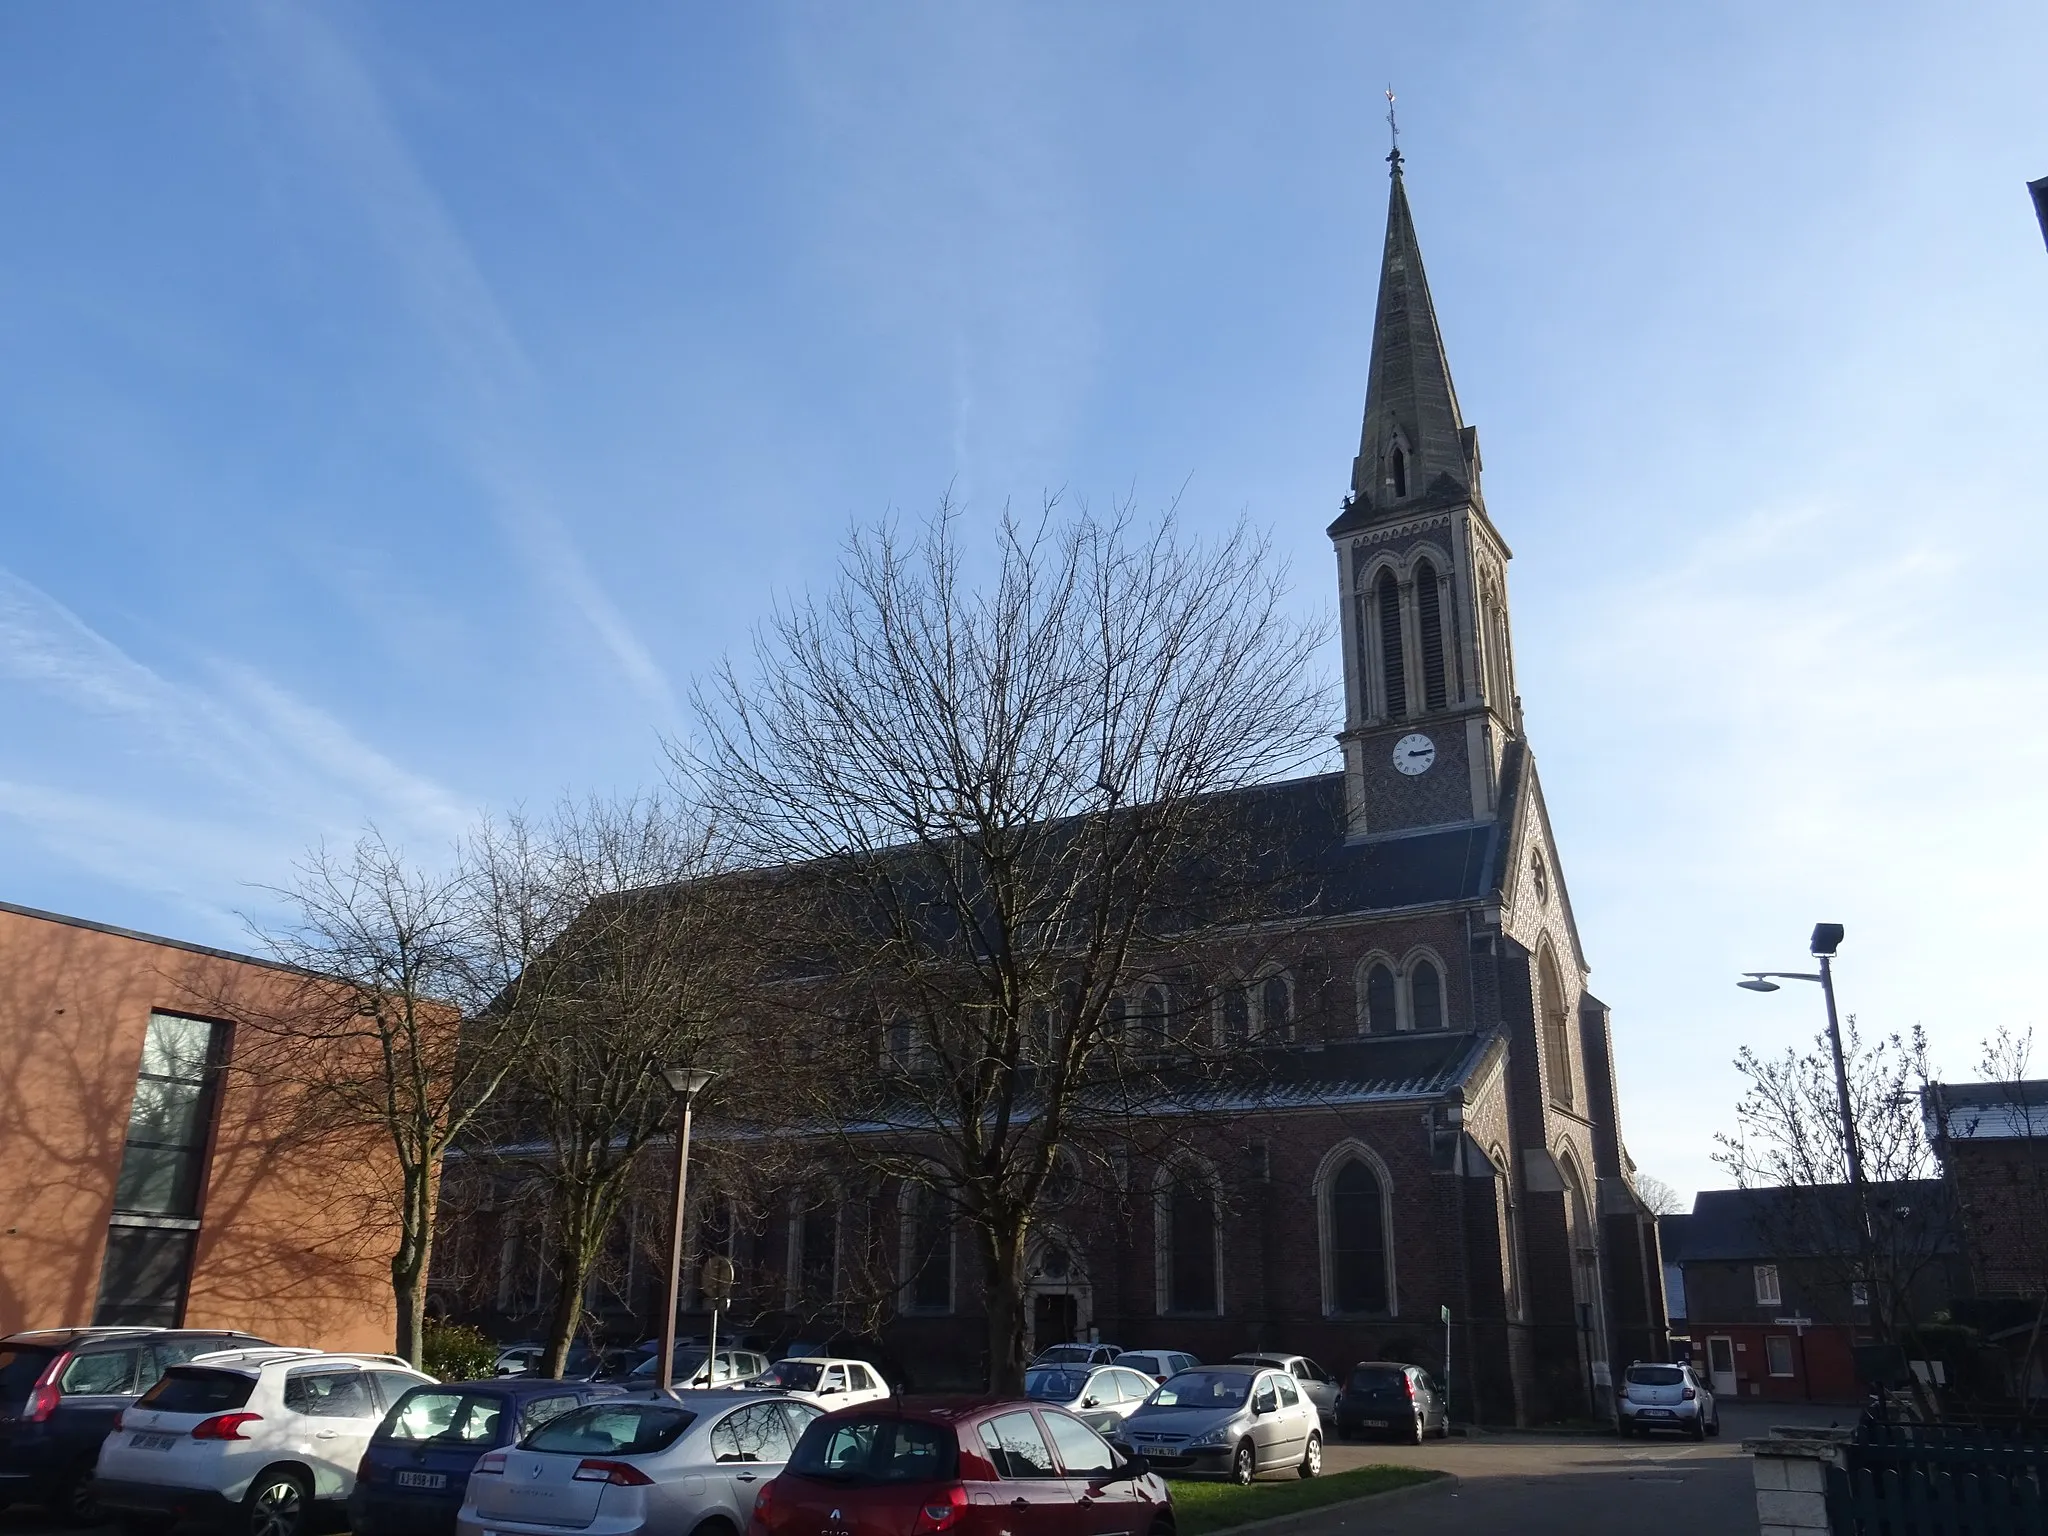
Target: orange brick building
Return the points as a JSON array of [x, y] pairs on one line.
[[146, 1176]]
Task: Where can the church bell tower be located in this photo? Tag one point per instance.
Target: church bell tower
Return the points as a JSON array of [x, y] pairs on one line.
[[1429, 685]]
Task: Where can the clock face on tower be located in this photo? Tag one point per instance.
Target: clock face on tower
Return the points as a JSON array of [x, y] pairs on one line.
[[1414, 753]]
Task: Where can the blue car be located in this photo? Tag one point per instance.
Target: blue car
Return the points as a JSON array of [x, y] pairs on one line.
[[413, 1476]]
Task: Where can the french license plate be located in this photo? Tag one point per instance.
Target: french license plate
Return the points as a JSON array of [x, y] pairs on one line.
[[421, 1480], [152, 1442], [1374, 1423], [1655, 1413]]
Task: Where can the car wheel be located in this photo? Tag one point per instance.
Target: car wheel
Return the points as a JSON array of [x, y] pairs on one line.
[[279, 1504], [1714, 1427], [1312, 1457], [1699, 1427], [1244, 1465], [1443, 1426], [75, 1503], [1415, 1432]]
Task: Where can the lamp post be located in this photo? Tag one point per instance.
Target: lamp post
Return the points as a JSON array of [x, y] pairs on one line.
[[1827, 938], [685, 1083]]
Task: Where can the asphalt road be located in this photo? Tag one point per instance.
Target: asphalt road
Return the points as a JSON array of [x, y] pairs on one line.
[[1530, 1485]]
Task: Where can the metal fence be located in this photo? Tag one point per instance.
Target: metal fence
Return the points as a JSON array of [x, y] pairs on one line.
[[1941, 1480]]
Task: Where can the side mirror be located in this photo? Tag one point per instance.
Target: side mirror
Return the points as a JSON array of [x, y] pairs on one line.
[[1089, 1402], [1132, 1466]]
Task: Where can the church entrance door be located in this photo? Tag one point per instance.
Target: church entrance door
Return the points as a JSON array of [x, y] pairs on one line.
[[1055, 1318]]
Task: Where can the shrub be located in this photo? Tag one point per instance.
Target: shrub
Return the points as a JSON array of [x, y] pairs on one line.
[[457, 1352]]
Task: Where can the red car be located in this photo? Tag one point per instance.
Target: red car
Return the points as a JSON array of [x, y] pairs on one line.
[[902, 1468]]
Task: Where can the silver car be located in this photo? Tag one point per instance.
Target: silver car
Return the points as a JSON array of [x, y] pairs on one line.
[[1234, 1421], [1101, 1398], [1310, 1379], [1667, 1397], [628, 1466]]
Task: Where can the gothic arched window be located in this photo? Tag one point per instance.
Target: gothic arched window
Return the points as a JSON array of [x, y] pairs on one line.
[[1426, 995], [1151, 1017], [1276, 1007], [928, 1230], [1233, 1012], [1429, 620], [1393, 665], [1187, 1243], [1357, 1237], [1381, 1017], [1397, 463], [1557, 1035]]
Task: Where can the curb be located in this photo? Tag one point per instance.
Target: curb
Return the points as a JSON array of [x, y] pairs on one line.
[[1302, 1520]]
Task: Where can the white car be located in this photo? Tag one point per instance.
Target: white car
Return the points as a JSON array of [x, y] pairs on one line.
[[267, 1437], [826, 1382], [1157, 1363], [664, 1466]]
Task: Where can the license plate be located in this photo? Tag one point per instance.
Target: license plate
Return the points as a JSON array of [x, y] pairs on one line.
[[1374, 1423], [421, 1479], [152, 1442], [1656, 1413]]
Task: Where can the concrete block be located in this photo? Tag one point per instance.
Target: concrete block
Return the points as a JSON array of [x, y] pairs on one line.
[[1801, 1511], [1805, 1476], [1769, 1472]]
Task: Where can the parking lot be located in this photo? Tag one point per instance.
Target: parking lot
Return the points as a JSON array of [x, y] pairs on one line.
[[1530, 1484]]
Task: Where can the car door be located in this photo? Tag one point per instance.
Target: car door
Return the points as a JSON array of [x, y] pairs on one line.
[[749, 1446], [1316, 1386], [93, 1388], [1033, 1498], [1099, 1508], [331, 1412], [1270, 1432], [1300, 1417]]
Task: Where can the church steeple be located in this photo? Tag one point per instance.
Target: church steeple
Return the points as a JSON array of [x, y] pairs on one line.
[[1429, 672], [1414, 447]]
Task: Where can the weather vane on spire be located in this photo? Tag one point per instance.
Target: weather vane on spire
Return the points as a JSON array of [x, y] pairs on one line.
[[1394, 130]]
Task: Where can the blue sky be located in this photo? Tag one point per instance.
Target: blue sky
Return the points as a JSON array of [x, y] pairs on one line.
[[399, 404]]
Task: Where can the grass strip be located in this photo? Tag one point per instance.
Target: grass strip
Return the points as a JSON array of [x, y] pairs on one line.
[[1203, 1507]]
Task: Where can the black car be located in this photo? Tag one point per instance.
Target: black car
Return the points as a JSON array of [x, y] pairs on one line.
[[61, 1390], [413, 1477], [1385, 1399]]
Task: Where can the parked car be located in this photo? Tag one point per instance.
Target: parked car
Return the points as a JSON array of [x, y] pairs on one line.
[[518, 1359], [1101, 1398], [1657, 1397], [1157, 1363], [270, 1438], [1231, 1420], [1077, 1354], [63, 1389], [824, 1382], [415, 1474], [1310, 1378], [1388, 1398], [661, 1466], [694, 1367], [1022, 1468]]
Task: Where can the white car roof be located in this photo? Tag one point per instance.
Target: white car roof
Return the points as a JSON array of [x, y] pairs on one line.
[[253, 1360], [819, 1360]]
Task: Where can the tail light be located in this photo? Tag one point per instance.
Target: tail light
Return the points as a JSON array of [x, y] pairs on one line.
[[492, 1461], [942, 1509], [764, 1501], [119, 1417], [618, 1473], [366, 1471], [44, 1398], [1408, 1385], [224, 1426]]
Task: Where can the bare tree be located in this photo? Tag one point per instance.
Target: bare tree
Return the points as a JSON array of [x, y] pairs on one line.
[[385, 970], [1789, 1138], [1000, 806], [1657, 1196], [620, 954]]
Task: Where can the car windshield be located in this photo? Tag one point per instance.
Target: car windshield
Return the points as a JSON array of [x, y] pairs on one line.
[[1654, 1376], [612, 1429], [1054, 1385], [196, 1389], [688, 1363], [1203, 1389], [876, 1450], [20, 1365], [793, 1375], [1066, 1354], [1376, 1378], [452, 1418]]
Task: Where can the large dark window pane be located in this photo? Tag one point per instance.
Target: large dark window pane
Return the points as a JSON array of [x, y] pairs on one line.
[[142, 1280], [1358, 1245], [1191, 1245], [158, 1181], [931, 1286], [168, 1113], [170, 1119], [1426, 989], [1379, 1001]]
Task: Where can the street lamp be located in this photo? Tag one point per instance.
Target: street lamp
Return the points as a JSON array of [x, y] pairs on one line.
[[1827, 938], [685, 1083]]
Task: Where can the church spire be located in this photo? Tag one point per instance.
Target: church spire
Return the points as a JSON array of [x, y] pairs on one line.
[[1415, 446]]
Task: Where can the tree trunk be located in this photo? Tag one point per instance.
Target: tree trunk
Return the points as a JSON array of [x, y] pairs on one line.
[[566, 1314], [409, 1265], [1002, 1267]]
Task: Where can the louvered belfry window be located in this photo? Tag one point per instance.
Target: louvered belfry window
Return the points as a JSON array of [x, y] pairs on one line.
[[1429, 619], [1393, 668]]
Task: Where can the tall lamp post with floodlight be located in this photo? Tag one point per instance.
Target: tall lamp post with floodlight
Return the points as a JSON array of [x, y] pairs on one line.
[[685, 1083]]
